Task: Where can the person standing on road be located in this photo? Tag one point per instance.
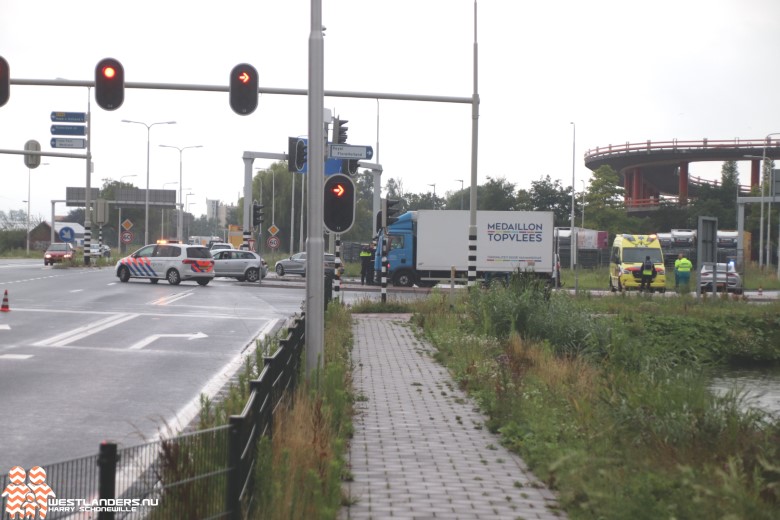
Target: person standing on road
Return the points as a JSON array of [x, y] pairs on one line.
[[365, 265], [648, 274], [683, 271], [677, 271]]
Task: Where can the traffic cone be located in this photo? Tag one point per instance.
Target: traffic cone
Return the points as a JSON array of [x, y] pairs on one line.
[[760, 291], [5, 307]]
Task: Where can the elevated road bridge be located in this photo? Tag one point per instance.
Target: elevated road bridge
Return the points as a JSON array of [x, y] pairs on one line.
[[657, 171]]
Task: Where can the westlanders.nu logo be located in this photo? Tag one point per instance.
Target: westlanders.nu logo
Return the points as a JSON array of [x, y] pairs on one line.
[[30, 497], [27, 499]]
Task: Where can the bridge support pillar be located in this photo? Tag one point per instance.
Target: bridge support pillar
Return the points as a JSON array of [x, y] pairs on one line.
[[628, 177], [636, 191], [755, 172], [683, 184]]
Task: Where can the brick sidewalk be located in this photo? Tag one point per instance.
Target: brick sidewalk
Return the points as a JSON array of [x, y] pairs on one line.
[[420, 450]]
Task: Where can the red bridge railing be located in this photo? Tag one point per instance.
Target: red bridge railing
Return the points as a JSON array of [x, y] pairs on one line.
[[705, 144]]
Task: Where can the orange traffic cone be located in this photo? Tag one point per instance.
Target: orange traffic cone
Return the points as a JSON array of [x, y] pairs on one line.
[[5, 307]]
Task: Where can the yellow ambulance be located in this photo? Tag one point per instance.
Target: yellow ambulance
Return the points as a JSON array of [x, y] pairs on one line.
[[626, 259]]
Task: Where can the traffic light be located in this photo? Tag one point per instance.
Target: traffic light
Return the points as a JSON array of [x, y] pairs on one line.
[[389, 212], [340, 131], [257, 214], [349, 166], [5, 81], [339, 207], [244, 84], [109, 84], [297, 149]]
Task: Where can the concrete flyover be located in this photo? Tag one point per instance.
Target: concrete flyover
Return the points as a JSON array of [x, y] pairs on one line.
[[657, 171]]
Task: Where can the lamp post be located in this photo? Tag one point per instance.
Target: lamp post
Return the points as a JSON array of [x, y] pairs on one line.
[[769, 207], [180, 221], [573, 238], [761, 226], [434, 194], [187, 207], [461, 191], [146, 202], [119, 225], [162, 213], [583, 204]]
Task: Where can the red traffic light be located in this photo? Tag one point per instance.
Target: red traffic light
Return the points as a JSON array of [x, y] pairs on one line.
[[339, 203], [109, 84], [244, 85], [338, 189]]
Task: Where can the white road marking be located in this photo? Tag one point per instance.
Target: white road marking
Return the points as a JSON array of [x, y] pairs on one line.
[[151, 339], [5, 327], [15, 356], [86, 330], [184, 416], [76, 290], [170, 299]]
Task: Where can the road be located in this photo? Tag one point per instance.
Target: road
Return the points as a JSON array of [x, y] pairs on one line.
[[84, 358]]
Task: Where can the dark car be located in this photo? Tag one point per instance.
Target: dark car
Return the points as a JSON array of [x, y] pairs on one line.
[[296, 264], [58, 252]]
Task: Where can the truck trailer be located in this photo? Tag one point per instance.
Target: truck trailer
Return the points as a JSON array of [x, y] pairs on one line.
[[424, 246]]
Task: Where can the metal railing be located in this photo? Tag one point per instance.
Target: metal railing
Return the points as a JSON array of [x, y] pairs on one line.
[[201, 475], [676, 145]]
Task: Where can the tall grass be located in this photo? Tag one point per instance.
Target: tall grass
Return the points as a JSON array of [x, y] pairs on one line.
[[614, 411]]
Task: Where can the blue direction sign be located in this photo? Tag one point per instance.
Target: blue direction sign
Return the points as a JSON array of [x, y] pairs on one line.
[[63, 142], [67, 234], [69, 117], [68, 130]]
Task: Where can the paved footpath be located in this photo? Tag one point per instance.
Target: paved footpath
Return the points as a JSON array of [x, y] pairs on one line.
[[420, 450]]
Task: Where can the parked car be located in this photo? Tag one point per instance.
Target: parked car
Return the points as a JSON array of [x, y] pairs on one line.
[[58, 252], [99, 250], [239, 264], [296, 264], [726, 278], [173, 262]]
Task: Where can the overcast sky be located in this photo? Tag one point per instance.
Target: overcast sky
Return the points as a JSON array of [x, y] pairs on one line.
[[622, 71]]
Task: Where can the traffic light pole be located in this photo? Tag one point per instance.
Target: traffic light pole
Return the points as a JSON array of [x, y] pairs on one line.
[[315, 244]]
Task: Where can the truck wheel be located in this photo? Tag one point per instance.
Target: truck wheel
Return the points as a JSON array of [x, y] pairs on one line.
[[403, 279]]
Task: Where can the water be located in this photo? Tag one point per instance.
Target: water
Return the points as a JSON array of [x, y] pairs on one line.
[[761, 387]]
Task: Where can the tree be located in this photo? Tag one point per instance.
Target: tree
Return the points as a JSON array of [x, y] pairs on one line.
[[547, 195], [496, 195]]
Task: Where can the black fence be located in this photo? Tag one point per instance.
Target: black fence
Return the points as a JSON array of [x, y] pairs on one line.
[[201, 475]]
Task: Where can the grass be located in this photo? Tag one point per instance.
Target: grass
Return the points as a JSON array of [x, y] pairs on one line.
[[607, 399]]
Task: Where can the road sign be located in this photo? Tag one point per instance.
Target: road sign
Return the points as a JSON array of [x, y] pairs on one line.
[[273, 242], [68, 130], [67, 234], [127, 224], [66, 142], [349, 151], [126, 237], [273, 229], [69, 117]]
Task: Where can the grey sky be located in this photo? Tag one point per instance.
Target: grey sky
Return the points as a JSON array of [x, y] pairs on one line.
[[621, 70]]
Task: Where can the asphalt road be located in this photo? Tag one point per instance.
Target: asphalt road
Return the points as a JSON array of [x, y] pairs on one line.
[[85, 358]]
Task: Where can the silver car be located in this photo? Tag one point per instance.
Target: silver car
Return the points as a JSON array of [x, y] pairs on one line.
[[726, 278], [296, 264], [239, 264]]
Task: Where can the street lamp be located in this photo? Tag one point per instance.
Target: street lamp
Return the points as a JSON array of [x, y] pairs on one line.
[[119, 225], [461, 191], [583, 204], [28, 207], [180, 221], [434, 194], [573, 239], [186, 207], [769, 206], [146, 203], [162, 213]]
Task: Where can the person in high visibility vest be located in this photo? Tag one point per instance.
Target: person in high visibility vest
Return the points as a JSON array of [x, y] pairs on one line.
[[683, 271], [648, 273], [677, 271], [365, 265]]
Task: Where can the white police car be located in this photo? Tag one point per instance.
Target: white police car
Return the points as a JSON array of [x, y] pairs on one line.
[[173, 262]]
